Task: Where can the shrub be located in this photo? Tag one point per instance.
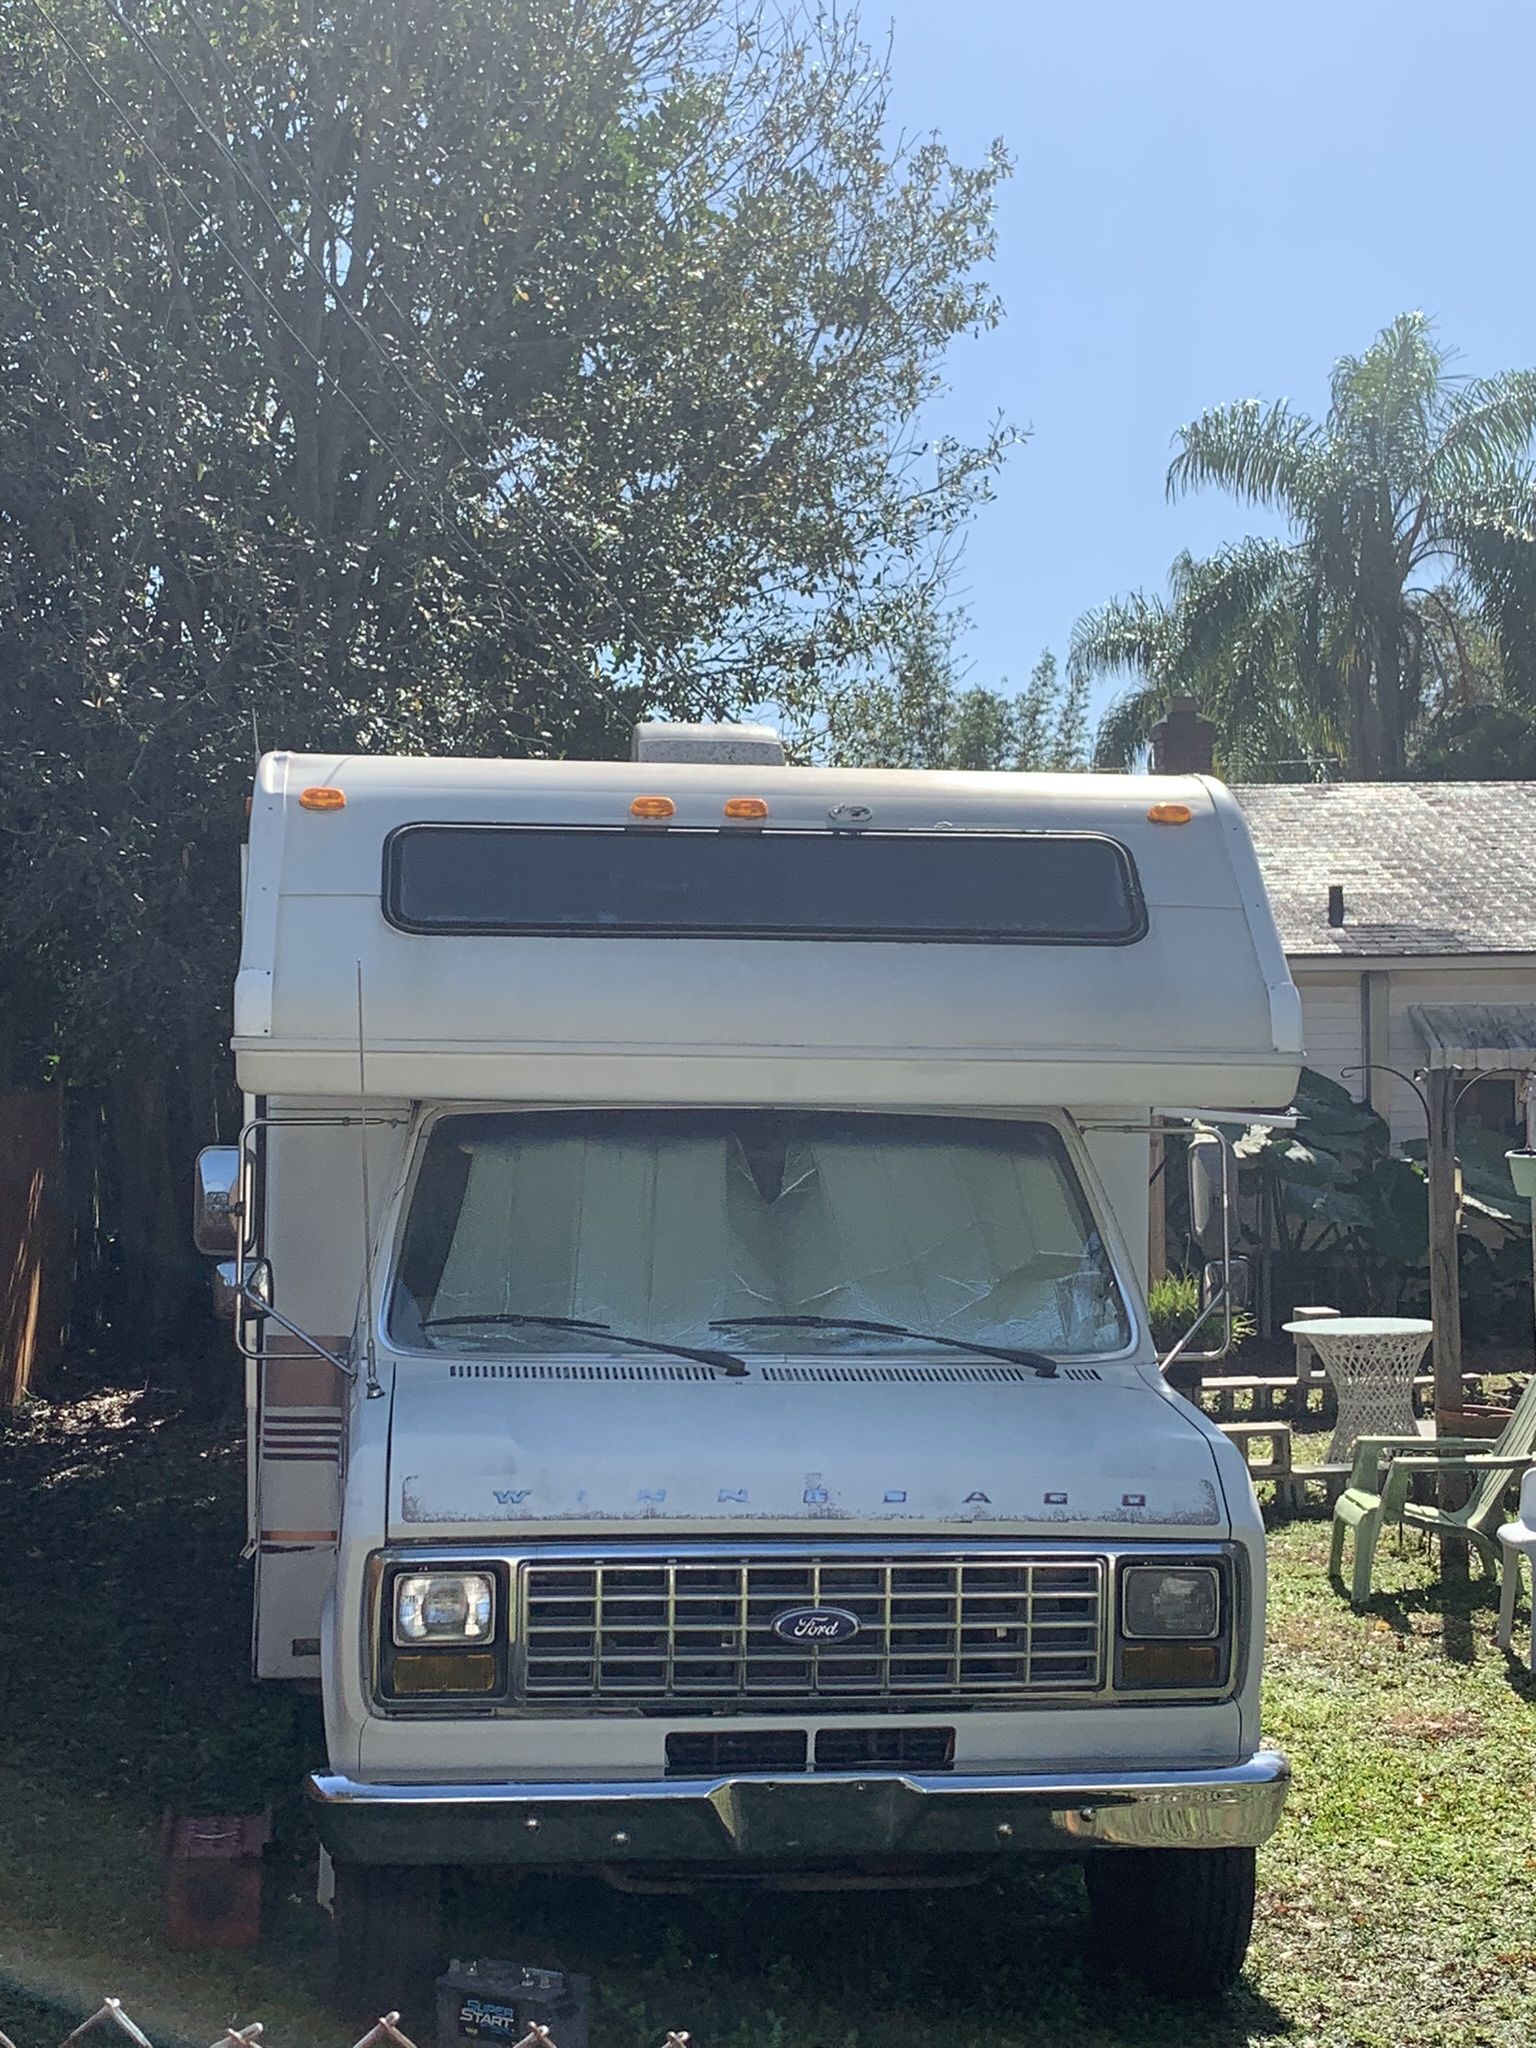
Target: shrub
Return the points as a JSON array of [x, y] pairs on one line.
[[1173, 1304]]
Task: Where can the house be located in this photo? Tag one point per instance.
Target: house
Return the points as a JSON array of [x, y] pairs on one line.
[[1408, 916], [1407, 911], [1396, 898]]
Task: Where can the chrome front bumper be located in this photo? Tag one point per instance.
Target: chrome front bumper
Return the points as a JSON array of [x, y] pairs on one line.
[[821, 1819]]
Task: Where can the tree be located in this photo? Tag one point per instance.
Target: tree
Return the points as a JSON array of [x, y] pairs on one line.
[[1051, 722], [918, 716], [438, 377], [1226, 635], [1412, 515]]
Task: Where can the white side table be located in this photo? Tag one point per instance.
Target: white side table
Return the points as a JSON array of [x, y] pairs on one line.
[[1371, 1361]]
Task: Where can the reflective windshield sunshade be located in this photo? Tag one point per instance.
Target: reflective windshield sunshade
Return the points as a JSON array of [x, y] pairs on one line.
[[528, 1230]]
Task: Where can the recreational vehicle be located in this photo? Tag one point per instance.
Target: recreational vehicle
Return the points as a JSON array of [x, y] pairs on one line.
[[688, 1237]]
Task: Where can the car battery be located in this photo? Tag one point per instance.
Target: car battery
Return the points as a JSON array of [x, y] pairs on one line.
[[483, 2000]]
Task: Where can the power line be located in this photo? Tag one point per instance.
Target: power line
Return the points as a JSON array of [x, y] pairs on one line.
[[600, 696]]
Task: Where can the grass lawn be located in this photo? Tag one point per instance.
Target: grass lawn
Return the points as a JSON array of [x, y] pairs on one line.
[[1398, 1901]]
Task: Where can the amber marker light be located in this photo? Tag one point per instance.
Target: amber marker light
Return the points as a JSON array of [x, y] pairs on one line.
[[1189, 1665], [653, 807], [1170, 814], [321, 798], [444, 1671], [749, 807]]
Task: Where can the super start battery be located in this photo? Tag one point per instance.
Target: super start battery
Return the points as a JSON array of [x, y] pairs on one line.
[[483, 2000]]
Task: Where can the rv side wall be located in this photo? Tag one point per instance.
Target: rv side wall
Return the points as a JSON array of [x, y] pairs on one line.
[[312, 1231]]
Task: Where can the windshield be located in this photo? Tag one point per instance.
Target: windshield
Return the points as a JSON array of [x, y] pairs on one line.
[[661, 1223]]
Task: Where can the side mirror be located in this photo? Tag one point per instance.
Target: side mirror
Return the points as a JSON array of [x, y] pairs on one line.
[[216, 1205], [226, 1295], [1206, 1165], [1239, 1278], [256, 1295]]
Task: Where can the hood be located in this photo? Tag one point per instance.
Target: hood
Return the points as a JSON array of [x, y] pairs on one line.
[[565, 1446]]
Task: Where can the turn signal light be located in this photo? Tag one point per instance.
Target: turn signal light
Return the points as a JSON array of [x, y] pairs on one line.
[[746, 807], [1170, 814], [1178, 1664], [653, 807], [320, 798], [444, 1671]]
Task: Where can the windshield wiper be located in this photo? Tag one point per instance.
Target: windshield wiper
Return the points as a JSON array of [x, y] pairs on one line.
[[1039, 1362], [722, 1361]]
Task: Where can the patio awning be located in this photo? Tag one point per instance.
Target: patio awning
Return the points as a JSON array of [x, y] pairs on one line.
[[1478, 1038]]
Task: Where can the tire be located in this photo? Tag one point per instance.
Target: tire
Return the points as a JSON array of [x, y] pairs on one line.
[[388, 1919], [1178, 1919]]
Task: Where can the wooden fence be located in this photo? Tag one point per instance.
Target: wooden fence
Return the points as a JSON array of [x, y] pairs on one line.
[[111, 2021]]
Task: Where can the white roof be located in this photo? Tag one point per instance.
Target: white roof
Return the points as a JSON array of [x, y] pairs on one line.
[[1199, 1010]]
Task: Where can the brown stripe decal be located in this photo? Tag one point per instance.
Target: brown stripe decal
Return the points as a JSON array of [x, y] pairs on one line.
[[306, 1537], [295, 1378]]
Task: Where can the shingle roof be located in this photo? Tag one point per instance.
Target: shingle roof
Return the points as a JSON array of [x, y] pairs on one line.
[[1426, 867], [1489, 1038]]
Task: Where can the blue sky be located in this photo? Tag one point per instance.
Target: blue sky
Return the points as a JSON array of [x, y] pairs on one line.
[[1212, 199]]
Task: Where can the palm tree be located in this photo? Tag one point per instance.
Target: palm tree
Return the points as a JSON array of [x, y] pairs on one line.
[[1412, 513], [1226, 635]]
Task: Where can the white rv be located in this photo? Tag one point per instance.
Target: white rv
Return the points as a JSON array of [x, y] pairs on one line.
[[689, 1238]]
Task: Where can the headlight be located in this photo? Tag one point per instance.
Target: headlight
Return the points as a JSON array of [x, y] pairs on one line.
[[444, 1607], [1181, 1602]]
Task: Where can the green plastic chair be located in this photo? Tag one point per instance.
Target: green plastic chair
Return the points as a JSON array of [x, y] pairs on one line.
[[1377, 1496]]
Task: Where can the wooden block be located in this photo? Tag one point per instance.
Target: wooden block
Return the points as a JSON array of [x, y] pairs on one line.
[[213, 1880]]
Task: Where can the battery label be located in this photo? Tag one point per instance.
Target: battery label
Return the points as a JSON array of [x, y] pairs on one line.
[[484, 2019]]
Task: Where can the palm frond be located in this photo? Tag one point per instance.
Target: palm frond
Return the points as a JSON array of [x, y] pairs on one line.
[[1126, 636], [1264, 454], [1489, 426], [1398, 384], [1493, 533], [1125, 730], [1223, 594]]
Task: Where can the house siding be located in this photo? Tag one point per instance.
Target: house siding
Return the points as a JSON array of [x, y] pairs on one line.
[[1332, 1021], [1450, 984], [1330, 1024]]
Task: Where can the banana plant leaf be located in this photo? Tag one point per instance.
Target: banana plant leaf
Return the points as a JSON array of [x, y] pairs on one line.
[[1337, 1178], [1486, 1185]]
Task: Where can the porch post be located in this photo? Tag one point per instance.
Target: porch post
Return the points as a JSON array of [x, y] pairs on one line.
[[1444, 1275]]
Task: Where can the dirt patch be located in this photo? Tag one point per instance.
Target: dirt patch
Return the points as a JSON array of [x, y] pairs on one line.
[[1455, 1724]]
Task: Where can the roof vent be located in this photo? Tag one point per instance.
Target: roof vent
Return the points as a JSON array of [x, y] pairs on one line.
[[1336, 905], [740, 746]]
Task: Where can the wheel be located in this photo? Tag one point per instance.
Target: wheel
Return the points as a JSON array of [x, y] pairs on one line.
[[1179, 1919], [387, 1919]]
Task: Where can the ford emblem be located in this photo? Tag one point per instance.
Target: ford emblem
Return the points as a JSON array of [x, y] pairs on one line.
[[815, 1625]]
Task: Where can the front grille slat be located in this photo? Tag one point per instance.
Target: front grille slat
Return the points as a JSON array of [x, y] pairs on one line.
[[656, 1632]]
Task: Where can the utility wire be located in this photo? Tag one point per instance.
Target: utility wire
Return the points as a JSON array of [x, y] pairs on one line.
[[600, 697]]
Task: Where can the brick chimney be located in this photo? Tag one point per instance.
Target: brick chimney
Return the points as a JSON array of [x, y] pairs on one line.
[[1183, 741]]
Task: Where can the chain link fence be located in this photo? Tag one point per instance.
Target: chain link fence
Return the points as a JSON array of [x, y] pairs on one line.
[[112, 2020]]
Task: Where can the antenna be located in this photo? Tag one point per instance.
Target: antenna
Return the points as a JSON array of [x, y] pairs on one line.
[[375, 1391], [255, 734]]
